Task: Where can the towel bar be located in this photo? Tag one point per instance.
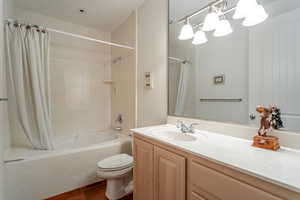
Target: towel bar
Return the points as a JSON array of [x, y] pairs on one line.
[[221, 100]]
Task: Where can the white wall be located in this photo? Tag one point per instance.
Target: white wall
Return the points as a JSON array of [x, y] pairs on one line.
[[152, 37], [81, 101]]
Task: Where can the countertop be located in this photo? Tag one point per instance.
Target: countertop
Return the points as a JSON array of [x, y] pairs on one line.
[[280, 167]]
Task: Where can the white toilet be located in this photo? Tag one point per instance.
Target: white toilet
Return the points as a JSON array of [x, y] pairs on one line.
[[117, 170]]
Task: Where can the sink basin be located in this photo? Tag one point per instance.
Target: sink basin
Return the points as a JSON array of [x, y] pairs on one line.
[[175, 135]]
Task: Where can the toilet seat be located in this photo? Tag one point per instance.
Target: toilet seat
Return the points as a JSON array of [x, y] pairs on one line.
[[114, 174], [115, 163]]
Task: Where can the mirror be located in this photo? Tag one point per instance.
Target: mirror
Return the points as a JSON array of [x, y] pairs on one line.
[[249, 57]]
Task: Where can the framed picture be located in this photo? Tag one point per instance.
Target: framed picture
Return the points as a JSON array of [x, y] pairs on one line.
[[219, 79]]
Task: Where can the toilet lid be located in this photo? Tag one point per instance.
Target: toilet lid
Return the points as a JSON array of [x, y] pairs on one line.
[[120, 161]]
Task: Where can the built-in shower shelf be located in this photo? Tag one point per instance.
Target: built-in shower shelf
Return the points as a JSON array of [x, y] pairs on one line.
[[109, 82]]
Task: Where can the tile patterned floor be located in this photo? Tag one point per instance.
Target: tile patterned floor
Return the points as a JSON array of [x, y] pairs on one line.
[[92, 192]]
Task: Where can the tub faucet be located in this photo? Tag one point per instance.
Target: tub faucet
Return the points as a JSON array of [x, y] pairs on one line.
[[185, 128]]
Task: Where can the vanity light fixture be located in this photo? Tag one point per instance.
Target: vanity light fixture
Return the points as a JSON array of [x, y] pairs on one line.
[[244, 8], [257, 16], [224, 28], [253, 12], [186, 32], [200, 37], [250, 11], [211, 21]]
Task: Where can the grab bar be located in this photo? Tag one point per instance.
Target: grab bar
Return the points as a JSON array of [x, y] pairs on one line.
[[15, 160], [3, 99], [221, 100]]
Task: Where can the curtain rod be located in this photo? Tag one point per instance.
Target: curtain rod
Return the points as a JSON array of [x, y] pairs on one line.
[[90, 39], [83, 37], [179, 60]]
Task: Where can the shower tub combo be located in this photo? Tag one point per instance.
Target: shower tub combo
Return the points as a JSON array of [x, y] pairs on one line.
[[34, 174]]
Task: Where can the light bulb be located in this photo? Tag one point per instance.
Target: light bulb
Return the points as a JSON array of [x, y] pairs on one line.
[[200, 38], [257, 16], [186, 32], [223, 28], [244, 7], [211, 21]]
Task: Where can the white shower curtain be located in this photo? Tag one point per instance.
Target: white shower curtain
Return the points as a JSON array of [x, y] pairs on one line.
[[183, 87], [27, 60]]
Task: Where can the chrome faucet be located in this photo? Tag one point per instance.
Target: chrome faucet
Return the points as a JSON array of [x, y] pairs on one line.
[[185, 128]]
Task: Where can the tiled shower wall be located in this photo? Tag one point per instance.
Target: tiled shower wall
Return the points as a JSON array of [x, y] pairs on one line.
[[124, 75]]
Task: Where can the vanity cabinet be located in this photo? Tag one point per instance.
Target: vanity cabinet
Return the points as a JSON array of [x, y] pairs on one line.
[[158, 174], [163, 172]]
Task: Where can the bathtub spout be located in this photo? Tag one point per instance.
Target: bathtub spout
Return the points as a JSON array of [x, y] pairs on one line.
[[118, 128]]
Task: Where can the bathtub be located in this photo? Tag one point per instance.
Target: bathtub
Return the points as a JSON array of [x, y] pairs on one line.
[[35, 175]]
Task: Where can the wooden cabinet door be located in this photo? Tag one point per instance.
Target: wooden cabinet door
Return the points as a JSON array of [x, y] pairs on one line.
[[143, 170], [169, 175]]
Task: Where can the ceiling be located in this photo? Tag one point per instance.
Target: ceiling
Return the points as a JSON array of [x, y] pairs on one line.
[[101, 14]]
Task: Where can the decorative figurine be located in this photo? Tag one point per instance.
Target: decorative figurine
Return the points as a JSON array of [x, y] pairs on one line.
[[265, 123], [270, 119]]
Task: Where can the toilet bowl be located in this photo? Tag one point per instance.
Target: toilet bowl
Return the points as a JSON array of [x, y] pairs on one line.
[[117, 170]]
